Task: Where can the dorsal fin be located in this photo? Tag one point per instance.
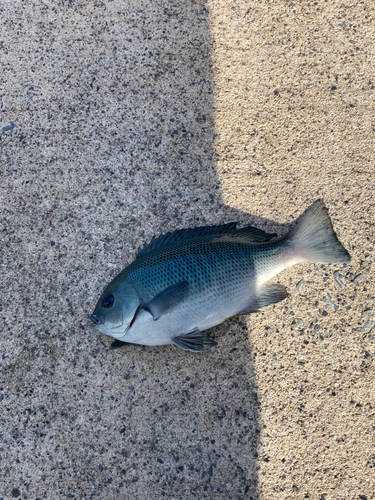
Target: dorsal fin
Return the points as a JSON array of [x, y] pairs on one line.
[[254, 234], [185, 234], [249, 234]]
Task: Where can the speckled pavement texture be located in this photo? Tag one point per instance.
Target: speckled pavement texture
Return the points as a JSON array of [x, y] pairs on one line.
[[120, 120]]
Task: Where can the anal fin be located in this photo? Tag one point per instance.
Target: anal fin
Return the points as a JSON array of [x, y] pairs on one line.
[[269, 293], [193, 341], [207, 343]]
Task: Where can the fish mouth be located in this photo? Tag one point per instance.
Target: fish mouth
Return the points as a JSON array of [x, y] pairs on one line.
[[96, 319]]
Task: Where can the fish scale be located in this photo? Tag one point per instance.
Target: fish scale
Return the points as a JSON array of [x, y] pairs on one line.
[[199, 260], [185, 282]]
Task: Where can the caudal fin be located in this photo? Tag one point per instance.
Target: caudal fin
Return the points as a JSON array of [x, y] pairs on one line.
[[314, 239]]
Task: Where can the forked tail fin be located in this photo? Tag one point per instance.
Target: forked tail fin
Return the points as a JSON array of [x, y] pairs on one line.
[[314, 239]]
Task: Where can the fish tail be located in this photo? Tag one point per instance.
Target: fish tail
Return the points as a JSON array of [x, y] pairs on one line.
[[313, 238]]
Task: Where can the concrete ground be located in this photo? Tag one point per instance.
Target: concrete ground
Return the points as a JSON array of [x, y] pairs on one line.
[[121, 120]]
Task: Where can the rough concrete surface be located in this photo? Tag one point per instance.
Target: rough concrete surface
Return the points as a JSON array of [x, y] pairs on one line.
[[124, 119]]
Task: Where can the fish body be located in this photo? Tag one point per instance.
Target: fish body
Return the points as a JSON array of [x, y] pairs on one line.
[[188, 281]]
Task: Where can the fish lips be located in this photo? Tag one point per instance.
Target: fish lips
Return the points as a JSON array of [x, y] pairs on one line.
[[96, 320]]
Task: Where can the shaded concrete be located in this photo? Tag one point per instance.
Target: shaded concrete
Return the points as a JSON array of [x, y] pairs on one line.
[[121, 120], [113, 143]]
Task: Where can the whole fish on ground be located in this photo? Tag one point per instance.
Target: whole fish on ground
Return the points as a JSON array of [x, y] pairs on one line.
[[185, 282]]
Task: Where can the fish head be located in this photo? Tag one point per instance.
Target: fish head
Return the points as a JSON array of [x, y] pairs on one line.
[[116, 309]]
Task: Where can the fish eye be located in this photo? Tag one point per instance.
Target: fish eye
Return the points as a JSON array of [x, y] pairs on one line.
[[108, 302]]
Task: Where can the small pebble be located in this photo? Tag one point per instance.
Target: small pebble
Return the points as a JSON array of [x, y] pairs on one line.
[[8, 126]]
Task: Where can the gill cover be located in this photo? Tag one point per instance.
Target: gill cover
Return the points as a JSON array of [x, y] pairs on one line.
[[113, 317]]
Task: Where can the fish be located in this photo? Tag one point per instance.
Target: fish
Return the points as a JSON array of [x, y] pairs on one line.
[[188, 281]]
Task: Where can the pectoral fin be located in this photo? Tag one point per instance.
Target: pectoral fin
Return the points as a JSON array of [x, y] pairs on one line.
[[269, 293], [193, 341], [166, 300]]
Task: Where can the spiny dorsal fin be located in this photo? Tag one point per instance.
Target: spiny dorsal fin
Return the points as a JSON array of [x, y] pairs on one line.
[[185, 234], [250, 233]]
